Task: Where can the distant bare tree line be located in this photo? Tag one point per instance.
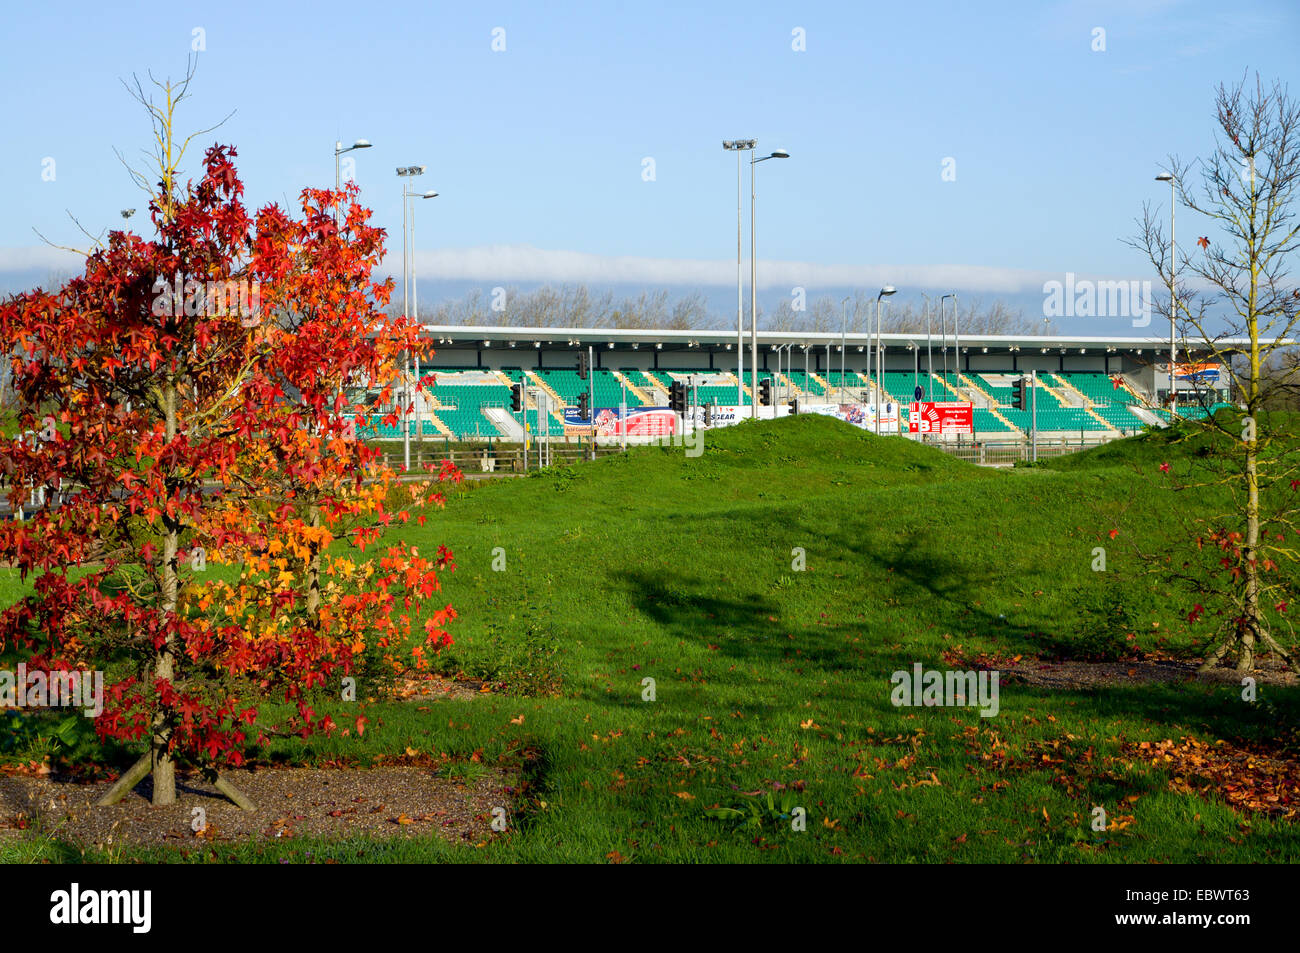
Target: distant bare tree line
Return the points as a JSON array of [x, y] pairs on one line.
[[858, 313], [569, 306], [577, 306]]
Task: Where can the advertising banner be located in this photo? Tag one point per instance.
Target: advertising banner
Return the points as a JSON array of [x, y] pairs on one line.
[[661, 422], [724, 415], [943, 418], [1197, 373], [860, 415], [640, 422]]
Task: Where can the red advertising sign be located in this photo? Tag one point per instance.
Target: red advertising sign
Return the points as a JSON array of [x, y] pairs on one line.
[[942, 418], [640, 422]]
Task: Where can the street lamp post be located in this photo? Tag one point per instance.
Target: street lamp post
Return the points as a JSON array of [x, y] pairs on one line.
[[338, 151], [844, 330], [415, 297], [776, 381], [404, 172], [880, 363], [753, 269], [929, 351], [828, 363], [789, 360], [1173, 295], [943, 329], [738, 146], [806, 389], [956, 336]]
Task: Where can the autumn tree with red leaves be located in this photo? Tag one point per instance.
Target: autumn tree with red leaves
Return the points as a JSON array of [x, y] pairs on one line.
[[188, 392], [1241, 308]]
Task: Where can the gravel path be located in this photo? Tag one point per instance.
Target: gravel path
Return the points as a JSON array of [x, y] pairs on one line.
[[1070, 674], [325, 802]]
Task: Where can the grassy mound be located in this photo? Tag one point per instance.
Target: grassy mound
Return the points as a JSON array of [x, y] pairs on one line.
[[1182, 444]]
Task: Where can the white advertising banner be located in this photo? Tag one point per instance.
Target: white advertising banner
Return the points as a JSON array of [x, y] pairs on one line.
[[724, 415], [860, 415]]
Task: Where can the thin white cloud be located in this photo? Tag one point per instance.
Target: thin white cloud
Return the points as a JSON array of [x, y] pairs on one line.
[[507, 264], [503, 264], [38, 258]]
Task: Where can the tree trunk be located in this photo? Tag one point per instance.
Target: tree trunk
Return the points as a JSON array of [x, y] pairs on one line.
[[164, 768], [313, 572], [1252, 621]]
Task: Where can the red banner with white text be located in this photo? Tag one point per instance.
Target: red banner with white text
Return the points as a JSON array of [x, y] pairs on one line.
[[943, 418]]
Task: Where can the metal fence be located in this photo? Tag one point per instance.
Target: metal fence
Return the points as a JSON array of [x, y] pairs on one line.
[[1010, 452]]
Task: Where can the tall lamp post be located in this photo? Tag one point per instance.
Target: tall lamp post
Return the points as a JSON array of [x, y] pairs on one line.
[[844, 331], [943, 329], [880, 355], [1173, 295], [738, 146], [929, 352], [827, 368], [807, 389], [338, 151], [789, 355], [415, 298], [405, 172], [753, 270]]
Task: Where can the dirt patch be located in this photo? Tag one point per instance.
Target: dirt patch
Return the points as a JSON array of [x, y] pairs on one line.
[[383, 802], [1071, 674]]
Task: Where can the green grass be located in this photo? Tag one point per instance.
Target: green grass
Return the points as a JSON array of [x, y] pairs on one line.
[[654, 564]]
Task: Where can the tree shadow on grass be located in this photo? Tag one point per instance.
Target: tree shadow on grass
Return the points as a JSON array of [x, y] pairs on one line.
[[921, 564], [745, 628]]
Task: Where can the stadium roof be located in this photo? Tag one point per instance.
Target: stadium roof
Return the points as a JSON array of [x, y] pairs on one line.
[[716, 339]]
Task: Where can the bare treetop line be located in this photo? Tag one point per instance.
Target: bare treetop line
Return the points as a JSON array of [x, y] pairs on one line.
[[579, 306]]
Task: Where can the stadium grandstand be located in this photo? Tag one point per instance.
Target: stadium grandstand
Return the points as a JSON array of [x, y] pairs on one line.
[[1090, 388]]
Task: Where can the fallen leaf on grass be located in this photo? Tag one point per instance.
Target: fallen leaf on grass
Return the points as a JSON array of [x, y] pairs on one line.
[[1255, 781]]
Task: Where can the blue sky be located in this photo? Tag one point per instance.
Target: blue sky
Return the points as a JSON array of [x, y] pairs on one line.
[[538, 150]]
